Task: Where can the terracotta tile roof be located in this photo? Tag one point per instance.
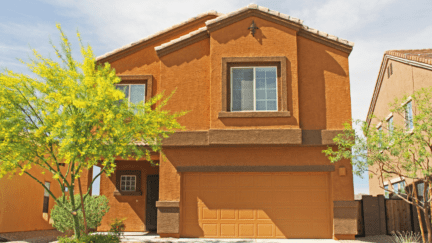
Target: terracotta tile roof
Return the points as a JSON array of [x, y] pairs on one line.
[[158, 34], [420, 55], [262, 9]]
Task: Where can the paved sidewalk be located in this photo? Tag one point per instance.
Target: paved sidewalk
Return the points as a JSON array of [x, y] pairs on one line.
[[150, 238], [377, 238]]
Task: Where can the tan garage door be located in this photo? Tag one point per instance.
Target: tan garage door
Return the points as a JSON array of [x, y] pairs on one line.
[[256, 205]]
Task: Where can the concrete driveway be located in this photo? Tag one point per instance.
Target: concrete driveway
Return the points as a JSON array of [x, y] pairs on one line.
[[143, 237]]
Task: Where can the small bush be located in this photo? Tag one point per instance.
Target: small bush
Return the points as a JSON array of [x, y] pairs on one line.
[[95, 208], [117, 227], [406, 237], [95, 238]]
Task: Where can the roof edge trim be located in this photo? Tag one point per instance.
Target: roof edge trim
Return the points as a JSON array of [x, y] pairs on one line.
[[137, 45]]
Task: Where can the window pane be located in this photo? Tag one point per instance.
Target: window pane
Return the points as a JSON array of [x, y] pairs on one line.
[[260, 94], [261, 106], [271, 105], [271, 94], [242, 98], [408, 116], [137, 93], [47, 185], [386, 194], [266, 91]]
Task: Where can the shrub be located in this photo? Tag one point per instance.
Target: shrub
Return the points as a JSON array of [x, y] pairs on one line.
[[95, 208], [94, 238], [406, 237], [117, 227]]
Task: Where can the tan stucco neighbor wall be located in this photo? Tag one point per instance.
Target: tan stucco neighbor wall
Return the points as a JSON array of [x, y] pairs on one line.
[[404, 81]]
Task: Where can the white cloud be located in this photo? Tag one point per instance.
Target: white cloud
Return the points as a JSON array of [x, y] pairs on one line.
[[339, 16], [121, 22]]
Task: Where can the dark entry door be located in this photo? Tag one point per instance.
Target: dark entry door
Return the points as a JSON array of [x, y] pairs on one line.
[[152, 197]]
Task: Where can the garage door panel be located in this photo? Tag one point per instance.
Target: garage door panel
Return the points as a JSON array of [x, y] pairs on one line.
[[228, 230], [256, 205], [246, 230]]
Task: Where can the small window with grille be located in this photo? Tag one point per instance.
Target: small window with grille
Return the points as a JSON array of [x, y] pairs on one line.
[[128, 183]]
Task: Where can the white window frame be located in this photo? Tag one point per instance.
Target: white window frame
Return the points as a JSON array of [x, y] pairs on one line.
[[135, 181], [254, 88], [129, 90], [409, 99]]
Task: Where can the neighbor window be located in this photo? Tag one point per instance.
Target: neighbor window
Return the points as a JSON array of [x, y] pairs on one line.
[[386, 193], [390, 126], [380, 134], [254, 89], [128, 183], [408, 116], [134, 93]]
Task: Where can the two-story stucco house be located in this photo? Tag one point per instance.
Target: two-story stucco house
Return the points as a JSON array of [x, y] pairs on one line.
[[265, 94], [402, 73]]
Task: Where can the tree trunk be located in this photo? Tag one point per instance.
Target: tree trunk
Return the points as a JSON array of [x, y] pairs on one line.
[[428, 224], [419, 213], [82, 206], [77, 230]]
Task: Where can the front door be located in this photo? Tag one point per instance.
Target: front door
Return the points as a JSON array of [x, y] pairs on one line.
[[152, 197]]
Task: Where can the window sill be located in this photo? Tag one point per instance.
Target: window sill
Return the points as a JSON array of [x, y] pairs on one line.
[[254, 114], [118, 193]]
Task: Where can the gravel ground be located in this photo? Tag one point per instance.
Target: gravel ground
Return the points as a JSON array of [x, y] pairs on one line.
[[40, 236], [377, 238]]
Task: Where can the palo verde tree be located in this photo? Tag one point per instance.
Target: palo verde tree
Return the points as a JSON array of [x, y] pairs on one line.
[[72, 113], [400, 147]]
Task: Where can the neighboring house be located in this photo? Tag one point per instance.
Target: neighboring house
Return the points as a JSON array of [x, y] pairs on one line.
[[402, 72], [265, 94], [24, 203]]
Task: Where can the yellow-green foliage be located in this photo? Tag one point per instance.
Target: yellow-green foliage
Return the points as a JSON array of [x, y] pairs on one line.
[[71, 114]]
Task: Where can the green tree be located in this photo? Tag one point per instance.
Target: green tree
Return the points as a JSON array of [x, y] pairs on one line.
[[95, 206], [402, 150], [72, 113]]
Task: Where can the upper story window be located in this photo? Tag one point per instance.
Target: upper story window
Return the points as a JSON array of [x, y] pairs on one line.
[[408, 116], [137, 88], [254, 89], [380, 134], [134, 93]]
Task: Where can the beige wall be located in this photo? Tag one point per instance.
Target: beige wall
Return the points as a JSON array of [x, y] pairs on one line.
[[404, 81]]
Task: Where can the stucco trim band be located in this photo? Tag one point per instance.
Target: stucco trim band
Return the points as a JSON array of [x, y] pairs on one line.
[[225, 114], [288, 168], [187, 138], [328, 135], [255, 136], [282, 78], [345, 217], [168, 204], [251, 137]]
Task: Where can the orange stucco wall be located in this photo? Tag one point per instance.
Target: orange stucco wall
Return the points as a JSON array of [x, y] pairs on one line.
[[318, 98], [133, 208], [21, 202], [404, 81]]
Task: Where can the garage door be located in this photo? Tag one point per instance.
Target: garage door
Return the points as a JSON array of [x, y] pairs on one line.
[[256, 205]]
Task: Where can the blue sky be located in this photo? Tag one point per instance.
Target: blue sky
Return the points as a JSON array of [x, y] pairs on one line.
[[373, 25]]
